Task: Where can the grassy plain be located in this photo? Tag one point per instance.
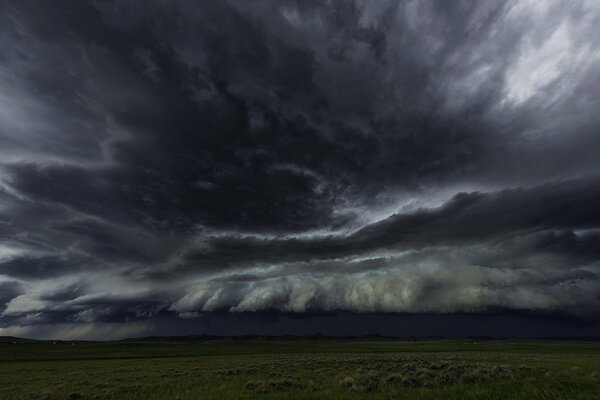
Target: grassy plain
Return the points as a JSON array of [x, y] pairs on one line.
[[300, 369]]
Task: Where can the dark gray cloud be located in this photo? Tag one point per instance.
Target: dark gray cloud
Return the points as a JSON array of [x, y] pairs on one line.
[[467, 218], [302, 157]]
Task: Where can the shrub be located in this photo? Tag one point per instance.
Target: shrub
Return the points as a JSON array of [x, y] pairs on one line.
[[311, 387], [74, 396], [348, 382], [41, 396], [253, 385], [409, 381], [393, 380], [101, 385], [283, 384], [371, 380]]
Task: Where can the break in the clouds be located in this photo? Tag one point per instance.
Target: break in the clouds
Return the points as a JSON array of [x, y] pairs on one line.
[[169, 162]]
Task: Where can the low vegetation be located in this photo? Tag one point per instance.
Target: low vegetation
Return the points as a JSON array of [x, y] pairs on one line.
[[305, 369]]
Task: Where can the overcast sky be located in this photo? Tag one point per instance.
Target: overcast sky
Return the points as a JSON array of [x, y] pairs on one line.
[[276, 167]]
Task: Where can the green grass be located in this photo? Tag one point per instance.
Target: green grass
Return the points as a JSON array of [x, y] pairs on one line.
[[302, 369]]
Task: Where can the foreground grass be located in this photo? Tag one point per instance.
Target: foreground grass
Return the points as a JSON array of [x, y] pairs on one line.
[[303, 369]]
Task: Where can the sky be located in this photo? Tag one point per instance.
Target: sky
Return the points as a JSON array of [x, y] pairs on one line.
[[413, 168]]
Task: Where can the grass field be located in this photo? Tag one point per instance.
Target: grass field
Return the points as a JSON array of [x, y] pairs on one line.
[[300, 368]]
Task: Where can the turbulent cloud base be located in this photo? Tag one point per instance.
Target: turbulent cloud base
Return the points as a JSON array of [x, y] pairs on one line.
[[241, 161]]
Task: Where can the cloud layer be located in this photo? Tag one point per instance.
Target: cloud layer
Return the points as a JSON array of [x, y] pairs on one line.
[[296, 157]]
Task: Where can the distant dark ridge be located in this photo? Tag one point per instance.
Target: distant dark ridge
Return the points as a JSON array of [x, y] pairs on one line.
[[289, 337], [19, 340], [207, 338], [262, 337], [14, 339], [573, 338], [203, 338]]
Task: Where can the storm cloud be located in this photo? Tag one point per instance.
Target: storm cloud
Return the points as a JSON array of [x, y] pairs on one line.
[[181, 161]]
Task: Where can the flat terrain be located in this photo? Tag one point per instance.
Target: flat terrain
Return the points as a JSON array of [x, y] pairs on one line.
[[300, 368]]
